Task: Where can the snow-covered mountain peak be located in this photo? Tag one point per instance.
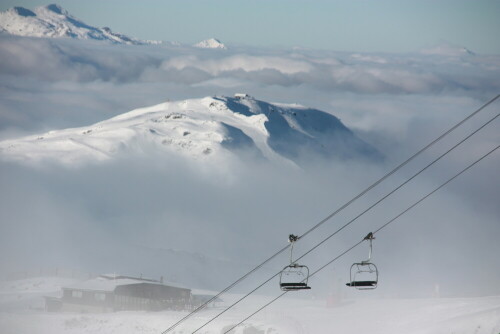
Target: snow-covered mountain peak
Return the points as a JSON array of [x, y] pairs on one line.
[[55, 22], [211, 43], [204, 129]]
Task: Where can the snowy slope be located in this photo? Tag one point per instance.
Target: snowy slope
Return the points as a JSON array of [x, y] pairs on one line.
[[205, 129], [28, 293], [289, 315], [54, 21], [210, 43]]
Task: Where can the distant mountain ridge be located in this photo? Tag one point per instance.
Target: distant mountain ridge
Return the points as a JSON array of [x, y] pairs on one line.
[[447, 49], [202, 129], [53, 21]]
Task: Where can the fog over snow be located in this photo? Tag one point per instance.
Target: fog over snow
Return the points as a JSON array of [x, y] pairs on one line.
[[205, 224]]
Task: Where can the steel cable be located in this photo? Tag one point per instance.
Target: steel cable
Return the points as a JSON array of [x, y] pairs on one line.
[[355, 218], [376, 231], [202, 306]]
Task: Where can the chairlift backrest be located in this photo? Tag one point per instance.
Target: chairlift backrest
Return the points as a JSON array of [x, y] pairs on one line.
[[363, 276], [294, 277]]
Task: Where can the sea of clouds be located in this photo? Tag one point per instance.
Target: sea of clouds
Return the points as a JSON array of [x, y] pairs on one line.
[[132, 214]]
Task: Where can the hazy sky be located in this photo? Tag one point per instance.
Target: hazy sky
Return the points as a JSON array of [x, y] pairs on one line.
[[371, 26]]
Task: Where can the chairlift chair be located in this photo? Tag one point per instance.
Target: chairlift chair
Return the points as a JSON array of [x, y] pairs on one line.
[[364, 274], [294, 276]]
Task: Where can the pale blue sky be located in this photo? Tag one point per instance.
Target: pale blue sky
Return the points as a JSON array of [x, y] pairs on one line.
[[370, 26]]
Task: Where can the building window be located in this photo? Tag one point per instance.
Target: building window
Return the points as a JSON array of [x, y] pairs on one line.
[[76, 294], [99, 296]]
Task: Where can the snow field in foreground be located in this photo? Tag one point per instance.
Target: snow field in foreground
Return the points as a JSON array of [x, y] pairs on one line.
[[288, 315]]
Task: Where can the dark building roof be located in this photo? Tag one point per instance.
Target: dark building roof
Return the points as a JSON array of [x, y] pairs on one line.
[[108, 283]]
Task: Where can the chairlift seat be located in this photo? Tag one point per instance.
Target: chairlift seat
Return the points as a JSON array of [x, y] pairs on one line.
[[294, 286], [362, 283]]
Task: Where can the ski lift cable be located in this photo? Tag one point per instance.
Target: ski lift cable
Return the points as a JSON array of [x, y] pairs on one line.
[[400, 186], [362, 193], [282, 294], [401, 165], [355, 218], [351, 221], [376, 231]]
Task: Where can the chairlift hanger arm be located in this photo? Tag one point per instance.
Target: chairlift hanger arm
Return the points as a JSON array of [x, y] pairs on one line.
[[370, 238], [292, 238]]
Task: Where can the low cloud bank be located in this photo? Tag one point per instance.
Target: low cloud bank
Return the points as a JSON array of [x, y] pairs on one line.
[[133, 214], [90, 79], [81, 61], [168, 217]]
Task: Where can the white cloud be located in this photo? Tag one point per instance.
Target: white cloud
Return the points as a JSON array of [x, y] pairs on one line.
[[96, 218], [236, 62], [397, 102]]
